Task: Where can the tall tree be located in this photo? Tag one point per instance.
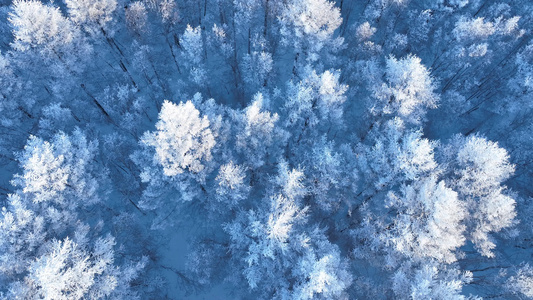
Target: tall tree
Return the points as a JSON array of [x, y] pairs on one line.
[[43, 34], [93, 16], [175, 157]]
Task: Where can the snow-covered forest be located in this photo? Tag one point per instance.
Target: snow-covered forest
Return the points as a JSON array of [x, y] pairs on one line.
[[266, 149]]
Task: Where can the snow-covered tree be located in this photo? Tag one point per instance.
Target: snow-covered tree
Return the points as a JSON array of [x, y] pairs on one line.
[[47, 251], [175, 157], [93, 15], [68, 270], [278, 260], [193, 55], [430, 281], [8, 86], [322, 275], [23, 232], [407, 92], [290, 182], [42, 30], [231, 185], [258, 137], [309, 26], [60, 171], [136, 16], [331, 174], [166, 9], [182, 141], [56, 183], [397, 154], [481, 169], [428, 222], [522, 282], [257, 66], [314, 105]]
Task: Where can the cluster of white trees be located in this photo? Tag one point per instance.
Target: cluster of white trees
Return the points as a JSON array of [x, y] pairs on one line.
[[305, 149], [49, 248]]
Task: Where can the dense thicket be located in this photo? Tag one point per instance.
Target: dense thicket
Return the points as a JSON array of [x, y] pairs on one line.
[[266, 149]]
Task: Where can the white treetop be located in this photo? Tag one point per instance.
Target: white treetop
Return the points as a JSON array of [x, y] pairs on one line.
[[182, 141]]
